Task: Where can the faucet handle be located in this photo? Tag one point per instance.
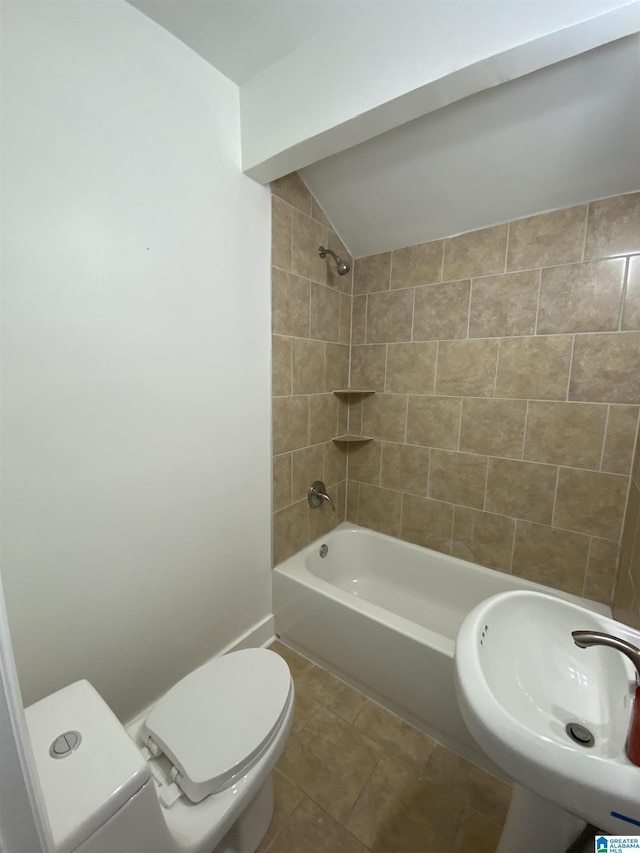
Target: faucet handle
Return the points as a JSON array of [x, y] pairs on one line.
[[318, 494]]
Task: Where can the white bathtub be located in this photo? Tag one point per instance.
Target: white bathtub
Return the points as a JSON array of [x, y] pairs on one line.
[[383, 615]]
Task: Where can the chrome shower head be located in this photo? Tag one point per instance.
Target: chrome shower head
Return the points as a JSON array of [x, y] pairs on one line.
[[343, 266]]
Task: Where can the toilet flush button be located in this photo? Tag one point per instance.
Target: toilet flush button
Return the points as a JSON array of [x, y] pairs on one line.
[[65, 744]]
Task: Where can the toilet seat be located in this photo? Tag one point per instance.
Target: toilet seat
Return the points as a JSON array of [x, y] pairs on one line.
[[217, 722]]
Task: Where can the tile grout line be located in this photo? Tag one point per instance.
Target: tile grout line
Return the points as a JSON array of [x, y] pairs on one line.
[[535, 332], [586, 231], [625, 285], [524, 432], [586, 567], [604, 437], [506, 248], [570, 371], [555, 501]]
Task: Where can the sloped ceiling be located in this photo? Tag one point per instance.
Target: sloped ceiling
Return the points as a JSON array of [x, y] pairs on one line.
[[411, 121]]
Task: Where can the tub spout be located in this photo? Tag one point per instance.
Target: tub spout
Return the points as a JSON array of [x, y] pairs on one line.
[[318, 494]]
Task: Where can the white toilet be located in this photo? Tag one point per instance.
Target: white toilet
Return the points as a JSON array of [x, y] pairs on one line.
[[197, 779]]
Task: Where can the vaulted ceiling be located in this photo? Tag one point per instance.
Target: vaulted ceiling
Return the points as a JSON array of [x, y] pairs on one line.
[[412, 120]]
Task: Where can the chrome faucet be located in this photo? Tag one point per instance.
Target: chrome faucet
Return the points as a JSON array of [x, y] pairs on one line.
[[597, 638], [317, 494]]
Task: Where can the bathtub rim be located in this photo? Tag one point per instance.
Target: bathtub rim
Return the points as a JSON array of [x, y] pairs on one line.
[[295, 568]]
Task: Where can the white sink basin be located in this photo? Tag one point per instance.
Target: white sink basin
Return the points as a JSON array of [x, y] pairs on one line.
[[521, 679]]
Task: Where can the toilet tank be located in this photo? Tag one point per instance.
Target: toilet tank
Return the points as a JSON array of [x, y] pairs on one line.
[[94, 780]]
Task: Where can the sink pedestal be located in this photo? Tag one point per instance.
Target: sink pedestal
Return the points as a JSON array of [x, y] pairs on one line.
[[534, 823]]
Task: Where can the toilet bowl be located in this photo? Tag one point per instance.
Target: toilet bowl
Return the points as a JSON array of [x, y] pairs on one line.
[[194, 777]]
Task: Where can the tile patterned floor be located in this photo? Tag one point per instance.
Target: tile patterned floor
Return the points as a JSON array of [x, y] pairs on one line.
[[356, 779]]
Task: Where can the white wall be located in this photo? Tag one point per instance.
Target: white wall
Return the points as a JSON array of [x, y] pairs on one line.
[[136, 481]]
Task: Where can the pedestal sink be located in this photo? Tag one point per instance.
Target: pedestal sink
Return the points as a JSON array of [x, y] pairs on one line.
[[528, 694]]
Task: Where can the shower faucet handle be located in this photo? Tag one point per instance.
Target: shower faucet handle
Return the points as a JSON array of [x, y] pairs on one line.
[[318, 494]]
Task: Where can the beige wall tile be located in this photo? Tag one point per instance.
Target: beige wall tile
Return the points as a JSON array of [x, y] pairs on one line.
[[323, 519], [379, 509], [631, 311], [565, 433], [323, 418], [353, 499], [417, 264], [427, 523], [290, 531], [359, 320], [493, 427], [307, 466], [475, 253], [293, 190], [318, 214], [635, 468], [281, 234], [290, 304], [557, 558], [324, 313], [335, 462], [354, 408], [521, 489], [620, 439], [434, 421], [308, 236], [606, 368], [345, 319], [411, 368], [290, 423], [307, 366], [343, 283], [389, 316], [343, 416], [405, 468], [372, 273], [625, 601], [581, 297], [601, 570], [457, 478], [280, 366], [384, 416], [590, 502], [547, 239], [467, 368], [441, 311], [337, 367], [628, 560], [365, 462], [482, 537], [281, 481], [614, 226], [534, 368], [504, 304], [368, 367]]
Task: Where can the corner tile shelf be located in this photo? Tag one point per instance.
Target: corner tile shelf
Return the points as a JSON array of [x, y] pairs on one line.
[[349, 438], [353, 392]]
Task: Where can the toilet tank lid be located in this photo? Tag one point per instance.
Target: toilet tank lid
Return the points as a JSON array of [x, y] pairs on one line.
[[87, 787], [217, 721]]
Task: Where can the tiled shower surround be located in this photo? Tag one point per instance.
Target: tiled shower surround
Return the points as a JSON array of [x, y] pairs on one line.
[[506, 365]]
